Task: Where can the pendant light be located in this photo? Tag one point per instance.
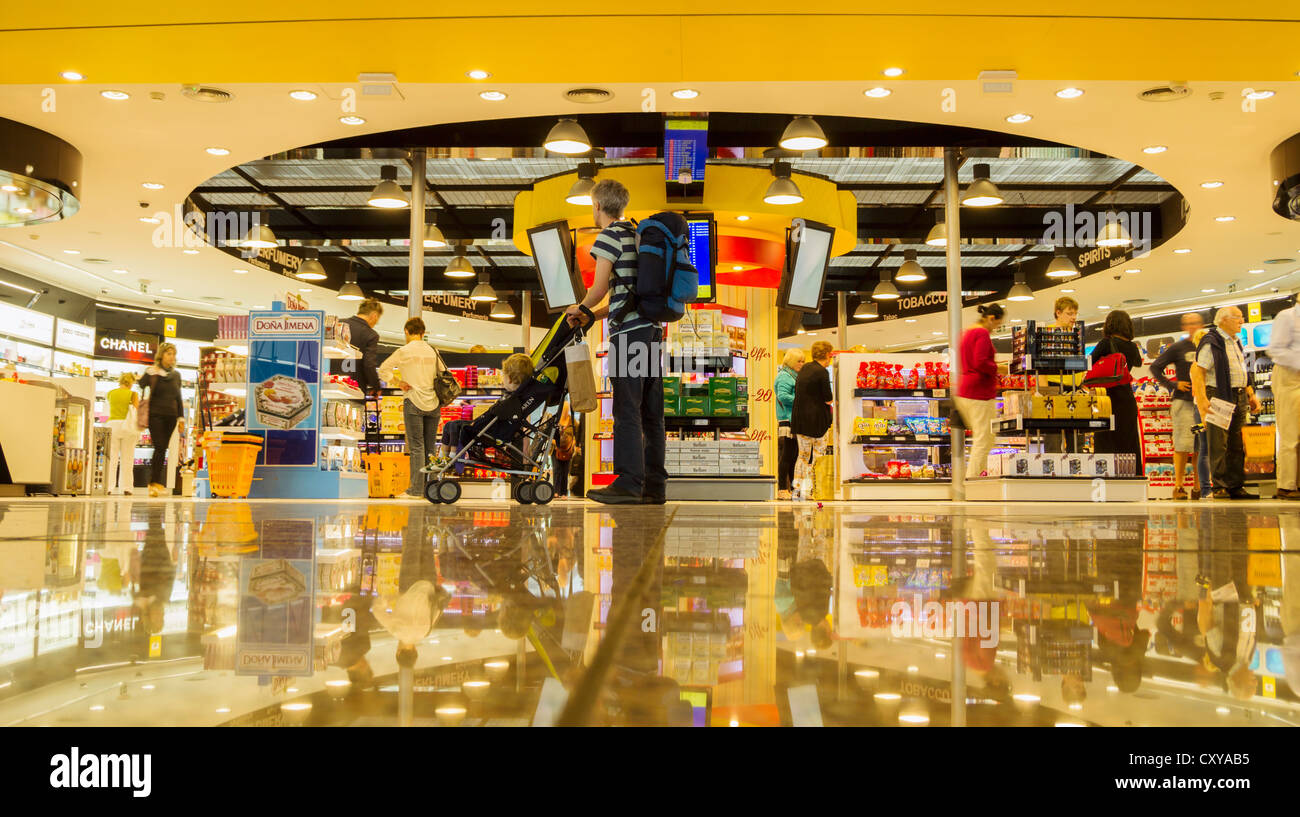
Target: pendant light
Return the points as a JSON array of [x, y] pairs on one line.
[[803, 133], [501, 309], [311, 268], [1060, 266], [885, 290], [1020, 291], [567, 137], [460, 267], [867, 310], [259, 237], [1112, 232], [938, 235], [350, 291], [782, 190], [483, 293], [580, 192], [982, 192], [433, 237], [388, 194], [910, 272]]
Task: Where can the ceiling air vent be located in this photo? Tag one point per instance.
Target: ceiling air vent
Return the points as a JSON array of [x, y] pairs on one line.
[[1165, 93], [588, 96], [213, 298], [1279, 261], [95, 260], [1137, 301], [205, 93]]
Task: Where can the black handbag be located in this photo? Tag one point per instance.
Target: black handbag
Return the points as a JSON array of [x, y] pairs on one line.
[[445, 385]]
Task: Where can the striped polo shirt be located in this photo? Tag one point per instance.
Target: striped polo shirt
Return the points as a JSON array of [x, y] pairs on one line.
[[617, 244]]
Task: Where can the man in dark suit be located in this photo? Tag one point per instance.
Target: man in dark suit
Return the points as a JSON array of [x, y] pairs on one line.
[[366, 339]]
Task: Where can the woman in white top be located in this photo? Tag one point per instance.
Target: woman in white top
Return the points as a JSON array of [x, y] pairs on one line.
[[414, 368]]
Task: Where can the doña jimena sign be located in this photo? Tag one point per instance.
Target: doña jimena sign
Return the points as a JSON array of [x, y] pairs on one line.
[[283, 325]]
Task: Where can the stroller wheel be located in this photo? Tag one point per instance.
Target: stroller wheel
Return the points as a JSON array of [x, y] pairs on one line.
[[431, 492], [524, 493], [543, 493], [448, 490]]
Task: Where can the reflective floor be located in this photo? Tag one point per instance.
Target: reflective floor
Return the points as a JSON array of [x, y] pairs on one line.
[[166, 612]]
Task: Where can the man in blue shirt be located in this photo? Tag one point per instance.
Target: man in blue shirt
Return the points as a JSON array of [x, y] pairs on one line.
[[1284, 350]]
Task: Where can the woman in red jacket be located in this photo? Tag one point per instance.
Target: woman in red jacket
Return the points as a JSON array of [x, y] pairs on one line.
[[977, 388]]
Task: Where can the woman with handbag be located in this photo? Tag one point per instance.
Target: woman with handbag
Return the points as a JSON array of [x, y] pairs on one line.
[[415, 369], [125, 433], [810, 417], [1116, 353], [161, 411]]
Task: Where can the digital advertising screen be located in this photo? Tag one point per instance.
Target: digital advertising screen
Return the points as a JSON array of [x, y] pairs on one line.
[[552, 247], [806, 261]]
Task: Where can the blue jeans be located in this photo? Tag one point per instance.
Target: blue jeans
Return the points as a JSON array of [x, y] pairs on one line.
[[1203, 460], [421, 439]]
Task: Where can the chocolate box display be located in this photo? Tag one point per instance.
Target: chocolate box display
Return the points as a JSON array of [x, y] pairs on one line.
[[282, 402]]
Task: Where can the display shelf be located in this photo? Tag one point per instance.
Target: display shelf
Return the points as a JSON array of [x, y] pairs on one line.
[[1056, 489], [706, 423], [704, 364], [896, 489], [1019, 423], [336, 433], [337, 351], [341, 391], [741, 488], [922, 440], [232, 389], [902, 394]]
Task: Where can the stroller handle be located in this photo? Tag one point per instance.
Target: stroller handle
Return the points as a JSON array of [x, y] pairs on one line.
[[589, 315]]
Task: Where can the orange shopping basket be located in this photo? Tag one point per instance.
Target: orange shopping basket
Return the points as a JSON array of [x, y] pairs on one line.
[[231, 458], [389, 473]]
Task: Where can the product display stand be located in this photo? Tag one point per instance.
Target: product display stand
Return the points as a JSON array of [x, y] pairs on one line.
[[1157, 428]]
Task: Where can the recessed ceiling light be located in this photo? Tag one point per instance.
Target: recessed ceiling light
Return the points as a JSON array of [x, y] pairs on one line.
[[1067, 290], [73, 252], [166, 290], [736, 267], [1259, 94], [259, 306], [742, 218], [190, 252], [440, 335], [1225, 218], [1103, 306], [1070, 93], [240, 271], [1182, 251], [1210, 185], [304, 289], [936, 334], [892, 72], [1017, 118], [478, 73], [302, 96], [218, 151], [453, 320], [1207, 290], [120, 271], [877, 92], [116, 96], [73, 76], [150, 220], [1154, 149], [151, 186], [492, 96], [910, 320], [1019, 320], [352, 119], [1133, 270], [686, 93], [10, 188], [1254, 271]]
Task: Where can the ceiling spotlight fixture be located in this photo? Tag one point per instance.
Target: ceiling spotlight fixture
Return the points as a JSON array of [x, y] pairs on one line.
[[1070, 93], [73, 76], [302, 96], [877, 92], [1113, 233], [218, 151], [483, 293], [311, 269], [433, 237], [352, 119], [501, 309], [803, 133], [1018, 118], [1212, 184], [938, 235], [478, 73], [1181, 251], [1154, 149], [1207, 290], [492, 96], [190, 252], [1060, 266], [910, 272], [1254, 271], [892, 72], [580, 192], [1225, 218], [460, 267], [1020, 291], [259, 237], [742, 217], [1133, 270], [685, 93], [73, 252], [116, 96], [150, 220], [867, 310], [885, 290], [567, 137], [120, 271], [240, 271], [151, 186], [782, 190], [982, 191], [350, 291], [388, 193]]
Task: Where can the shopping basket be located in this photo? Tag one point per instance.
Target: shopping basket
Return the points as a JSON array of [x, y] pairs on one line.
[[389, 473], [230, 460]]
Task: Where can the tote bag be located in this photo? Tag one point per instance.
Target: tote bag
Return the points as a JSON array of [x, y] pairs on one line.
[[142, 411], [582, 377]]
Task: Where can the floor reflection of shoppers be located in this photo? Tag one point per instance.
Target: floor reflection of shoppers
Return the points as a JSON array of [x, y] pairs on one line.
[[414, 368], [1220, 371], [1181, 354], [810, 417], [1125, 438], [1284, 351], [156, 577], [787, 447], [977, 387], [124, 434], [166, 411]]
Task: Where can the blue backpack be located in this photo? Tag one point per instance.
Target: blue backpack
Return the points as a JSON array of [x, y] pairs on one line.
[[666, 281]]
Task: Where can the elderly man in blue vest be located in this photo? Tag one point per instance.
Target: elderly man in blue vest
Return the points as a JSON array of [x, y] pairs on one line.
[[1220, 371]]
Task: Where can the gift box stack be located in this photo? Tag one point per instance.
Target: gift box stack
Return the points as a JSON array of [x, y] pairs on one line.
[[391, 417], [701, 334], [706, 457], [672, 396], [1076, 405]]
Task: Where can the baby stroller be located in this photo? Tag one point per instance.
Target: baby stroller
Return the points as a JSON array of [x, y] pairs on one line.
[[503, 439]]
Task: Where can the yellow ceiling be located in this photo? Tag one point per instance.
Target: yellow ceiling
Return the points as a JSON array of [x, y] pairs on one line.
[[133, 41]]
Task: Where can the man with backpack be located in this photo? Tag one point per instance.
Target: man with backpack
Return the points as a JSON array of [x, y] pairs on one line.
[[635, 344]]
